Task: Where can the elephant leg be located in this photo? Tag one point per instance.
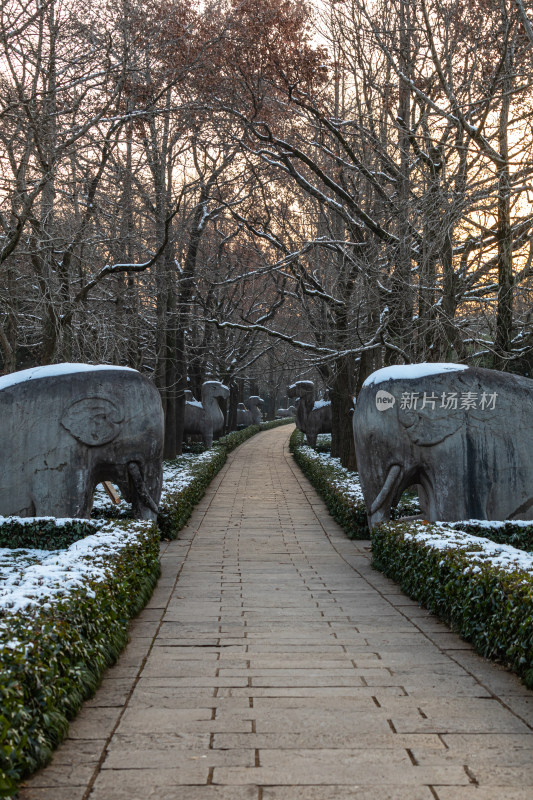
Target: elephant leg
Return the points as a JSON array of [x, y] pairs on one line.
[[381, 506], [311, 439], [58, 497], [144, 506], [424, 499]]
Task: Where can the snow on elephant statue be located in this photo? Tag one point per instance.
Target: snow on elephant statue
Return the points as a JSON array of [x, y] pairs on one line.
[[67, 427], [464, 435], [312, 417]]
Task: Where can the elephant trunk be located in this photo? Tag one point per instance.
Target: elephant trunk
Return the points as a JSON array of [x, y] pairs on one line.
[[142, 496], [380, 508]]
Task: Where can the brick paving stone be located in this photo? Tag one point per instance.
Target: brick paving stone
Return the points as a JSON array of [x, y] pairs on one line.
[[495, 792], [164, 785], [155, 753], [70, 792], [350, 792], [330, 767], [280, 666]]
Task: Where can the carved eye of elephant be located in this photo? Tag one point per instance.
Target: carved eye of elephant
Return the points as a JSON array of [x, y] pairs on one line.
[[93, 421]]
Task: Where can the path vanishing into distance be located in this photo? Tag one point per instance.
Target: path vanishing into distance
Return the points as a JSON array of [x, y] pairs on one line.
[[273, 663]]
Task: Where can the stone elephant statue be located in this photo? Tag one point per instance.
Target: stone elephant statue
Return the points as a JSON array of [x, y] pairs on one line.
[[464, 435], [67, 427]]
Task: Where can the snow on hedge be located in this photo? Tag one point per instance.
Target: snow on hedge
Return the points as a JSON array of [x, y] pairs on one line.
[[492, 524], [179, 474], [31, 577], [478, 550], [344, 479]]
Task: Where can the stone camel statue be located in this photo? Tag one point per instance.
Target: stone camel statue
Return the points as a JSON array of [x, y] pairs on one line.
[[205, 418], [255, 403], [312, 417], [244, 416], [210, 391]]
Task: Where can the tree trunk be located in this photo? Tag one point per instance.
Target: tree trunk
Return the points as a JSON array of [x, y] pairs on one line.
[[401, 311], [341, 394], [504, 318]]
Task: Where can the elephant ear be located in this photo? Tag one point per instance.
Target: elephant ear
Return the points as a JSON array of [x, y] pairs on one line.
[[93, 421], [430, 427]]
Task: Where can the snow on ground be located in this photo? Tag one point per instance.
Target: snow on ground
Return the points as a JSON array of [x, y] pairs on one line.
[[410, 372], [53, 370], [179, 474]]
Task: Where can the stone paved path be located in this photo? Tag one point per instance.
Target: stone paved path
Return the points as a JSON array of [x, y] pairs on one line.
[[273, 663]]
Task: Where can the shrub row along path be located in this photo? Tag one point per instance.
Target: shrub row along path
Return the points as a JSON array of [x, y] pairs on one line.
[[273, 663]]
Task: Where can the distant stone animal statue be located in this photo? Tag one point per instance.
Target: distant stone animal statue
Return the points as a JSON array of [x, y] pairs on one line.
[[210, 391], [464, 435], [67, 427], [196, 420], [244, 416], [255, 404], [282, 413], [312, 417], [205, 418]]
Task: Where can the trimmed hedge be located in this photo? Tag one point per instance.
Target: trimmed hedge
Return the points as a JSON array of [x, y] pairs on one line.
[[276, 423], [342, 494], [176, 507], [519, 535], [489, 601], [52, 656], [45, 533], [235, 438], [348, 511]]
